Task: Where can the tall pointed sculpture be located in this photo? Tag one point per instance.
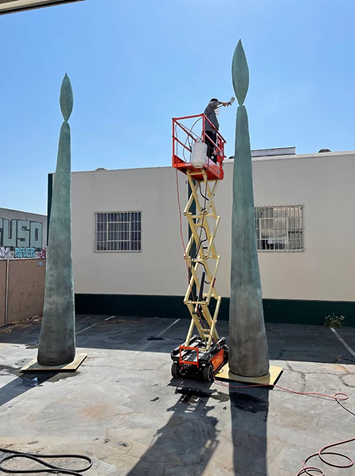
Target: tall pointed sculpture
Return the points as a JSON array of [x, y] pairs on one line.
[[248, 353], [57, 337]]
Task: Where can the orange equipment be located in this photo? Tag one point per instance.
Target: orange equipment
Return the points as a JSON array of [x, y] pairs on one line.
[[183, 140]]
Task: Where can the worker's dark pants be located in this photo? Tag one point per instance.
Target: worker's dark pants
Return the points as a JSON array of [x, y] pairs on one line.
[[211, 135]]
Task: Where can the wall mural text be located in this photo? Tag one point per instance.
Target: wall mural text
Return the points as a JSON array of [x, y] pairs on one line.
[[21, 239]]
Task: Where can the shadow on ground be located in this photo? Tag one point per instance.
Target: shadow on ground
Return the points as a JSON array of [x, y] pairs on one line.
[[290, 342], [187, 443], [25, 382], [249, 415]]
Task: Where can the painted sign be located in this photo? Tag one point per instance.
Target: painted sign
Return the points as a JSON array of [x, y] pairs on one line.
[[7, 253], [21, 234], [25, 252], [21, 239]]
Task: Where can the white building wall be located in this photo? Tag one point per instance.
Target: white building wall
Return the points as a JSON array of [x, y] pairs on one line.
[[159, 269], [323, 183]]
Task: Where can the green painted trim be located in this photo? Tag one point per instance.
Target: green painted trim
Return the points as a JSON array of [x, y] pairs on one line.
[[49, 202], [307, 312], [285, 311], [131, 305]]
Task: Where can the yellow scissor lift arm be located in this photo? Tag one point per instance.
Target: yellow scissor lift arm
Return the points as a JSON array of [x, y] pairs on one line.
[[205, 256], [204, 354]]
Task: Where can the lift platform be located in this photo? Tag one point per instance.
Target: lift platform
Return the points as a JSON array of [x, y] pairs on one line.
[[184, 138], [201, 355]]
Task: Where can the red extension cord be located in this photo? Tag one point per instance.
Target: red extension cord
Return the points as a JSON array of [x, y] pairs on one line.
[[338, 397]]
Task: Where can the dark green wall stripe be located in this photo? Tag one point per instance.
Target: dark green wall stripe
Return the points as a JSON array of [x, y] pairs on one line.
[[127, 305], [307, 312], [49, 201], [275, 310]]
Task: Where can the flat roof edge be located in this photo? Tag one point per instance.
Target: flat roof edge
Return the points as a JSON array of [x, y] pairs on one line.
[[316, 155]]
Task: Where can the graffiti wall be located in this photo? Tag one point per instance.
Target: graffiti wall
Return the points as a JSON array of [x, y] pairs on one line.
[[21, 239]]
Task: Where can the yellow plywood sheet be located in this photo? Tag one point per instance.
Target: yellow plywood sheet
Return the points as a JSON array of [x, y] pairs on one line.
[[269, 379], [34, 366]]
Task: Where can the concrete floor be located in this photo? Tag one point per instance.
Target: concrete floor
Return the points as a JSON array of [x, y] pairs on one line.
[[123, 409]]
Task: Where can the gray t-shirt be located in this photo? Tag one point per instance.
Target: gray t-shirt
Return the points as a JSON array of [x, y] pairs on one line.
[[210, 113]]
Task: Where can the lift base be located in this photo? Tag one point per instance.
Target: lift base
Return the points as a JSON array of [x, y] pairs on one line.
[[195, 362]]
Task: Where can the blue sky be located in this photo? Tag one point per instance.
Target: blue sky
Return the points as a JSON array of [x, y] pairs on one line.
[[135, 65]]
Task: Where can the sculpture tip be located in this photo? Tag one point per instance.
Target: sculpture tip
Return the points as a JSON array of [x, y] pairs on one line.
[[240, 73], [66, 98]]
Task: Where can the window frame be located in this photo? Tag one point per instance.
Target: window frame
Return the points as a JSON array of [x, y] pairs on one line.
[[110, 231], [300, 228]]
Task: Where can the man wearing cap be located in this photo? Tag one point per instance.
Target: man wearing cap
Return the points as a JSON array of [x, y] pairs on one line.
[[211, 130]]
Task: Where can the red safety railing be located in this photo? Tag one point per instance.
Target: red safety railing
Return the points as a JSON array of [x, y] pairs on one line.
[[183, 140]]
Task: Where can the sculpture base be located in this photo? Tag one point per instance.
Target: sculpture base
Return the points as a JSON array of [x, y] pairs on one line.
[[269, 379], [34, 366]]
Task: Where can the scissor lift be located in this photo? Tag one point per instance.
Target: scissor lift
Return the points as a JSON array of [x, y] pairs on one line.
[[202, 355]]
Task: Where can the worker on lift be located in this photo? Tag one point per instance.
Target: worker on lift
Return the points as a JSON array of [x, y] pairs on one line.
[[211, 112]]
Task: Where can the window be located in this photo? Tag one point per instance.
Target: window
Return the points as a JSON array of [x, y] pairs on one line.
[[118, 231], [279, 228]]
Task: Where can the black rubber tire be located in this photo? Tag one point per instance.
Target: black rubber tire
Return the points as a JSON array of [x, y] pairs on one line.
[[175, 370], [207, 373]]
